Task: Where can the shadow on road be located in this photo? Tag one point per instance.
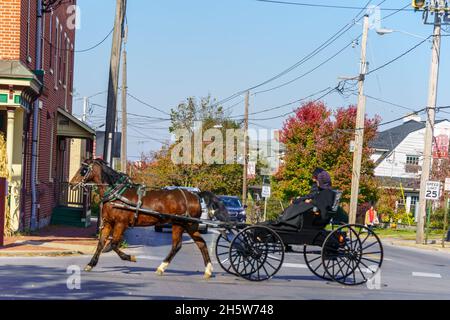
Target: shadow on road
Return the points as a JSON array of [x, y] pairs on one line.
[[39, 282]]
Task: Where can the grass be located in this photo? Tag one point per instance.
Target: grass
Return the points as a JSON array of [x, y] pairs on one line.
[[405, 234]]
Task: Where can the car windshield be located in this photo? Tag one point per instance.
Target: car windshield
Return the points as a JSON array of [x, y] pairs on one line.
[[231, 202]]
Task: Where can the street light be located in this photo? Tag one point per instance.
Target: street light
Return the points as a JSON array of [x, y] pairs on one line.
[[383, 31]]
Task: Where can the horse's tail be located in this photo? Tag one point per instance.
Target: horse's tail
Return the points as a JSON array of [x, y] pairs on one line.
[[213, 203]]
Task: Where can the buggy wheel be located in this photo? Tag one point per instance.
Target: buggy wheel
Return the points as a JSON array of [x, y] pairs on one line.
[[313, 257], [352, 255], [256, 253], [222, 250]]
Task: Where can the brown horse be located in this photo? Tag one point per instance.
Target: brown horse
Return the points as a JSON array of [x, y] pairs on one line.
[[116, 188]]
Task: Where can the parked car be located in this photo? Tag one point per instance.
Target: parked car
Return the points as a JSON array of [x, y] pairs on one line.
[[203, 228], [235, 208]]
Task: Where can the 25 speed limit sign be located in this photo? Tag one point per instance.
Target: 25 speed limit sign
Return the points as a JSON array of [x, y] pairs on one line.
[[433, 190]]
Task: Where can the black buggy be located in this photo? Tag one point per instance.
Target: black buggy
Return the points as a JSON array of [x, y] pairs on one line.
[[333, 250]]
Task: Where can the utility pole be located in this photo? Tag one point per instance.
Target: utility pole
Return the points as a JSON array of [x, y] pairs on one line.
[[113, 81], [244, 175], [431, 115], [123, 155], [359, 129]]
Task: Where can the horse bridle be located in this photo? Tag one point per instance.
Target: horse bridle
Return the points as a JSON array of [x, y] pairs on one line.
[[85, 172]]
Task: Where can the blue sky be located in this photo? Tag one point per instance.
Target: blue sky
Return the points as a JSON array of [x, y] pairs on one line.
[[180, 48]]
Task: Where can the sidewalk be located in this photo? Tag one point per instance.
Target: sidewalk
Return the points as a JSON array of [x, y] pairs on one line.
[[433, 245], [52, 241]]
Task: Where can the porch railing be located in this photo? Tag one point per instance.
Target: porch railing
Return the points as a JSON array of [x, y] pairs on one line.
[[75, 198], [69, 197]]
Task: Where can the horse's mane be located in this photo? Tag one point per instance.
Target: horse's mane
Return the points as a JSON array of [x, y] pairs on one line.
[[109, 175]]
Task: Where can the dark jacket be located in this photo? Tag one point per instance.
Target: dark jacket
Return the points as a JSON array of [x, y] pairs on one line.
[[323, 200]]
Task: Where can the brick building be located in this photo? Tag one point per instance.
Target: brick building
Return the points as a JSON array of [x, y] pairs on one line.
[[22, 87]]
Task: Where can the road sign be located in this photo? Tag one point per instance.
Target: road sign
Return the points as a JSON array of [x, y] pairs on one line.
[[447, 184], [433, 190], [266, 192], [440, 147], [251, 169]]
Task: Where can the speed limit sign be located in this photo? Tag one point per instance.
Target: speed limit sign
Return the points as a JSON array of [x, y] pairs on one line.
[[433, 190]]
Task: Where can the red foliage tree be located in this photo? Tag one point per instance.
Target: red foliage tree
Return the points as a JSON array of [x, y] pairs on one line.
[[314, 137]]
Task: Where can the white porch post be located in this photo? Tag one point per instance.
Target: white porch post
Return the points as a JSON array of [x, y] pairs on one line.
[[10, 139]]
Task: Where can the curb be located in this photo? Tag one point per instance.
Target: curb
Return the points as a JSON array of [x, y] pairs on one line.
[[420, 247], [41, 253]]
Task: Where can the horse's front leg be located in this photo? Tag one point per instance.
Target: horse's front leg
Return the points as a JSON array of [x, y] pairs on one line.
[[104, 234], [177, 237], [198, 239], [118, 231]]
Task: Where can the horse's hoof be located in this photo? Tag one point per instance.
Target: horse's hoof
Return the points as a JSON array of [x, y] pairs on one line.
[[88, 268], [159, 272], [133, 259], [208, 271], [207, 276]]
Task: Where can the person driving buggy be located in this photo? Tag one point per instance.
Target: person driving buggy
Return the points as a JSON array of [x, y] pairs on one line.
[[321, 197]]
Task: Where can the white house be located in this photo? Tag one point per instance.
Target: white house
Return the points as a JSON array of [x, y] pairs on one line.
[[398, 155]]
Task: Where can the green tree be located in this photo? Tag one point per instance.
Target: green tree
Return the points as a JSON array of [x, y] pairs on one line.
[[158, 170]]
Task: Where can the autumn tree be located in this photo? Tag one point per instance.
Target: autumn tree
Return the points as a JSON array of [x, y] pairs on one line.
[[158, 169], [316, 136]]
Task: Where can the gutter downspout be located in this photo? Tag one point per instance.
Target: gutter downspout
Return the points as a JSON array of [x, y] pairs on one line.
[[34, 200]]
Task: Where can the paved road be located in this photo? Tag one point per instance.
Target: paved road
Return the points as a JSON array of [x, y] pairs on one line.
[[407, 274]]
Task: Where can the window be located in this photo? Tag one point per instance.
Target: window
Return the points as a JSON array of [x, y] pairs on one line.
[[52, 132], [50, 39], [38, 142], [412, 160], [64, 61], [414, 200], [60, 55], [43, 42], [56, 53]]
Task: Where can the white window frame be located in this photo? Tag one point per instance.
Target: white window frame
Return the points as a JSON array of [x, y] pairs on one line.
[[50, 40], [56, 54]]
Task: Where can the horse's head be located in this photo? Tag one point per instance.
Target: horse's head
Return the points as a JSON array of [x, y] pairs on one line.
[[90, 171], [216, 209]]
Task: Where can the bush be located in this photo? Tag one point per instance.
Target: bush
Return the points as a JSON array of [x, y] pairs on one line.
[[437, 219]]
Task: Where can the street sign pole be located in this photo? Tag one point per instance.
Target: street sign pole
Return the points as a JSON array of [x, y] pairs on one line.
[[265, 209], [428, 221], [444, 235]]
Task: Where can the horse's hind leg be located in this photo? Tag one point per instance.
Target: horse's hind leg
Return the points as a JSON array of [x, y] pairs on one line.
[[198, 239], [118, 231], [104, 234], [177, 237]]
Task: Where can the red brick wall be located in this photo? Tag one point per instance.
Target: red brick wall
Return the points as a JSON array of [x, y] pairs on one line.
[[57, 93], [10, 29]]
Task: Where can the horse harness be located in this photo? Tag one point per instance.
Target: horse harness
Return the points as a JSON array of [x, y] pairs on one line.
[[116, 193]]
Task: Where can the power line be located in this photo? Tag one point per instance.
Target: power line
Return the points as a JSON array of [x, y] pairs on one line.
[[286, 104], [288, 113], [134, 114], [317, 5], [310, 71], [147, 104], [84, 50], [306, 58]]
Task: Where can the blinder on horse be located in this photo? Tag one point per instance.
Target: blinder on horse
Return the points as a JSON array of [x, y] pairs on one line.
[[85, 172]]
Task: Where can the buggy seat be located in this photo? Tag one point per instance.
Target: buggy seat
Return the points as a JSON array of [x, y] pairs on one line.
[[333, 215]]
